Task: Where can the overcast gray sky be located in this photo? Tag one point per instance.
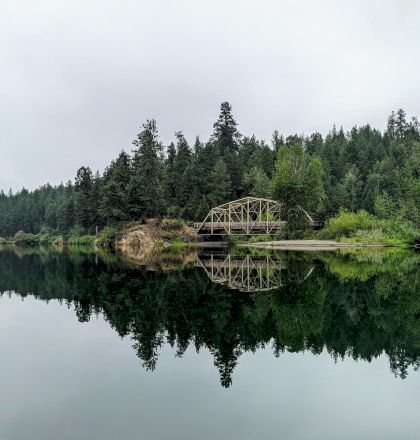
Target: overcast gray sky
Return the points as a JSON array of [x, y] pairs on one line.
[[79, 77]]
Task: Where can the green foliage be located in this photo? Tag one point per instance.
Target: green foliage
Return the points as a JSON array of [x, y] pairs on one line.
[[146, 185], [173, 224], [107, 236], [362, 227], [226, 139], [297, 184], [362, 169], [256, 182], [260, 238], [77, 236], [385, 206], [114, 201], [84, 240], [221, 184], [346, 223], [86, 200], [22, 239]]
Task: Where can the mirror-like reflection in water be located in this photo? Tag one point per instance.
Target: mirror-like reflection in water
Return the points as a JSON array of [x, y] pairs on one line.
[[352, 303], [246, 273], [293, 345]]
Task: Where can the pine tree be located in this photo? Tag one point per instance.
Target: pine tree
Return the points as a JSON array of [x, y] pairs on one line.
[[277, 141], [314, 144], [145, 190], [170, 179], [256, 182], [352, 187], [221, 188], [226, 136], [225, 133], [183, 190], [84, 198], [114, 206], [199, 180]]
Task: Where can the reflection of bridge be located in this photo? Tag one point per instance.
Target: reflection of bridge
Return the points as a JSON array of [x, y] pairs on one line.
[[245, 216], [247, 274]]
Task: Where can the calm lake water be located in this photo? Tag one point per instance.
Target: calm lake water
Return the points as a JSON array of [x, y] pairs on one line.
[[286, 345]]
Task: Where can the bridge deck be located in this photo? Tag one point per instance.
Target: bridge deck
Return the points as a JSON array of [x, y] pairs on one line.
[[223, 228]]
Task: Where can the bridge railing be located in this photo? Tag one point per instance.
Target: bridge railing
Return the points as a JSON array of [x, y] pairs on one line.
[[252, 226]]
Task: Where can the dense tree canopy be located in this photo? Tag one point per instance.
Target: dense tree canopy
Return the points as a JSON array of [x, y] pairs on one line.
[[297, 182], [359, 169]]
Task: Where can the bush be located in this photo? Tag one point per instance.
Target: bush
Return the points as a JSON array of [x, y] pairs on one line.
[[346, 224], [368, 236], [23, 239], [83, 240], [76, 231], [172, 224], [107, 236], [78, 236], [259, 238], [398, 229], [362, 227]]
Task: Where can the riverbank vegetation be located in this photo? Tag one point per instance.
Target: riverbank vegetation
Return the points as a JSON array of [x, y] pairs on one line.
[[359, 174], [362, 227]]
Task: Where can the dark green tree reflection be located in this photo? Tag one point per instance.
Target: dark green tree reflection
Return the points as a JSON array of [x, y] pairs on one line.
[[352, 304]]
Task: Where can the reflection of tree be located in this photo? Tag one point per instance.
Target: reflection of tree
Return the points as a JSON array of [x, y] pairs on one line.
[[361, 317]]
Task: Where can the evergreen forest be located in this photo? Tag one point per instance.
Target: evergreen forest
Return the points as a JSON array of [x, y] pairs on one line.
[[362, 169]]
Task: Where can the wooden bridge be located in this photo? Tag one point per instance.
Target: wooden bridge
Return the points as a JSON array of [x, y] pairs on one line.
[[249, 215]]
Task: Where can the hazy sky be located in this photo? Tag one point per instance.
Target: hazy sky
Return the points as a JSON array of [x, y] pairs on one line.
[[79, 77]]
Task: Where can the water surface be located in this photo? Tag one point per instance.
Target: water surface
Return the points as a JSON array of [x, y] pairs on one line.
[[191, 345]]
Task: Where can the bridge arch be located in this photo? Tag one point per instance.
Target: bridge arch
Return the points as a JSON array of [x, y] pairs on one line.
[[244, 216]]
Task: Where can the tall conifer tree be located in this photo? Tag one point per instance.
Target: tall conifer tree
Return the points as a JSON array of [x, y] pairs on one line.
[[145, 195]]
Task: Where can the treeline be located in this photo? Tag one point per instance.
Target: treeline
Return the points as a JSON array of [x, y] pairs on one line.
[[360, 169]]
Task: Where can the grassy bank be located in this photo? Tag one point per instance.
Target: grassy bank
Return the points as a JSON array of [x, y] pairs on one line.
[[158, 232], [364, 228], [360, 228]]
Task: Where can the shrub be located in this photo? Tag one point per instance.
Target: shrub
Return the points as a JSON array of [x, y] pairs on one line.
[[346, 224], [362, 227], [23, 239], [172, 224], [76, 231], [170, 236], [83, 240], [259, 238], [107, 236], [399, 229], [78, 236]]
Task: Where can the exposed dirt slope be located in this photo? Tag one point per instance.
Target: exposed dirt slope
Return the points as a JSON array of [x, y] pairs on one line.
[[154, 232]]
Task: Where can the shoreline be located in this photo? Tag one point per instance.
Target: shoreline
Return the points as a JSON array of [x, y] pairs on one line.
[[308, 245]]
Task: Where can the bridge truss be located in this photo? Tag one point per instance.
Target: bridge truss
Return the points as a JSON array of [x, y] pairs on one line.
[[244, 216]]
